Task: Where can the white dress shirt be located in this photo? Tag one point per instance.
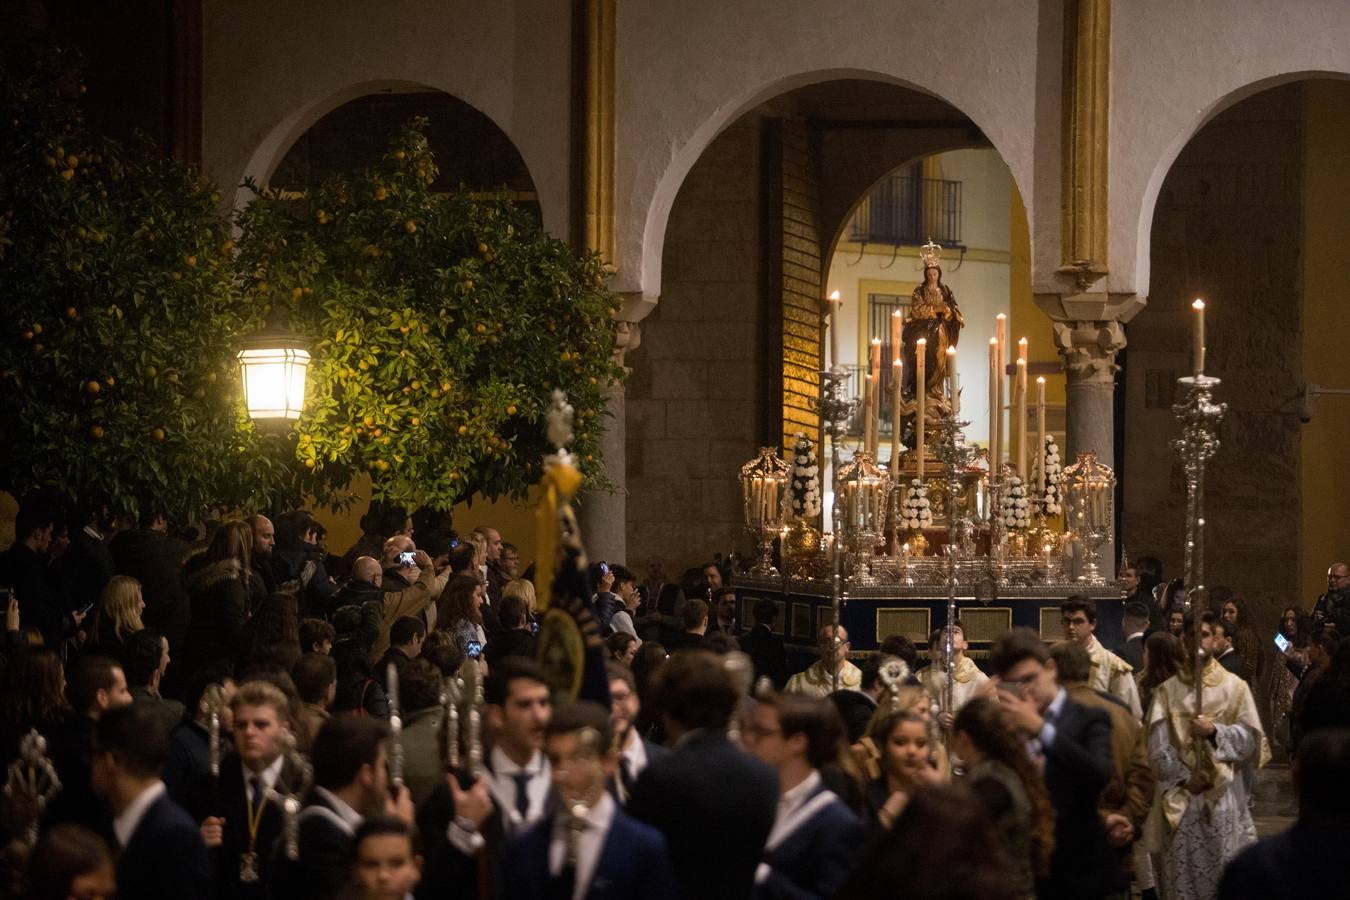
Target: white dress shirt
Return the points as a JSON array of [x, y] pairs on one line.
[[590, 842], [269, 775], [126, 822], [503, 788], [347, 818]]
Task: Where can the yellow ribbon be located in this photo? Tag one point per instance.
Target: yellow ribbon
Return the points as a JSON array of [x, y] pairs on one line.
[[557, 488]]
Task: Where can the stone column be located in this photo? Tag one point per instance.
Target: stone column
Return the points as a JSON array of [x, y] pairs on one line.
[[603, 513], [1089, 332]]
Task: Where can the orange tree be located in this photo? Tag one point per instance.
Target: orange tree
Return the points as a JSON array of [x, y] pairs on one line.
[[442, 323], [118, 314]]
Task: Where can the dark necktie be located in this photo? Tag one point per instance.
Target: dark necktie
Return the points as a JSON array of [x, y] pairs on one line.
[[522, 780], [562, 885], [626, 776], [256, 790]]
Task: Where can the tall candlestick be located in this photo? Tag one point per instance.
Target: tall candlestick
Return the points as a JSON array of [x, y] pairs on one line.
[[993, 398], [951, 381], [1020, 406], [920, 396], [897, 372], [896, 320], [874, 369], [1040, 428], [1000, 332], [867, 411], [1199, 349], [833, 304]]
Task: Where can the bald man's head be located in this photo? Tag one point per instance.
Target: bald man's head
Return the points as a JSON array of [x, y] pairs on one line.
[[399, 543], [367, 569], [264, 535]]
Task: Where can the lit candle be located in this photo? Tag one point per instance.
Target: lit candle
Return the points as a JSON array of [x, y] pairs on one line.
[[1199, 350], [897, 373], [920, 395], [896, 320], [1000, 332], [1040, 427], [951, 381], [867, 412], [874, 369], [1020, 410], [833, 304]]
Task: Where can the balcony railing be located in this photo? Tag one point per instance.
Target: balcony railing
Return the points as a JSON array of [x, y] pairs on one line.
[[907, 209]]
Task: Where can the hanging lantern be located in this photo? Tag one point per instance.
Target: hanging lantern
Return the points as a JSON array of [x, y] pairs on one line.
[[274, 364]]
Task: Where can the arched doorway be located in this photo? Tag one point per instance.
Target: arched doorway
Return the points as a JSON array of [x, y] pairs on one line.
[[730, 357], [1252, 216]]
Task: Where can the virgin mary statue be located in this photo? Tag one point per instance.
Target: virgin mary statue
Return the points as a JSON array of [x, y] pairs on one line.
[[934, 316]]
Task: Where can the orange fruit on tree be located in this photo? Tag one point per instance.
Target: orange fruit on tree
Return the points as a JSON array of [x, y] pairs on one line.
[[92, 387], [157, 433], [96, 432]]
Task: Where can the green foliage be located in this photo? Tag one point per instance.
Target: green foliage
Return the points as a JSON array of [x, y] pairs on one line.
[[443, 322], [117, 371]]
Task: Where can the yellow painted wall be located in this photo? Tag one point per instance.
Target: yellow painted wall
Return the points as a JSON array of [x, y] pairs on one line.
[[1325, 446], [1027, 320]]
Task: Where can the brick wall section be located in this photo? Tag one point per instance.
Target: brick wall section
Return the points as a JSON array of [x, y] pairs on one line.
[[793, 269], [1227, 228], [696, 403]]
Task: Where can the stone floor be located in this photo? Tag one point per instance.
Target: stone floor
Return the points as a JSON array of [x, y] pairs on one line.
[[1276, 804]]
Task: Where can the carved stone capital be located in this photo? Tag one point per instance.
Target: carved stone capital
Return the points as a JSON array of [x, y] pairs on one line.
[[627, 337], [1089, 349]]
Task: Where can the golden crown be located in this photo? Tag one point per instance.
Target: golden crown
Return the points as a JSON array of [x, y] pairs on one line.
[[930, 255]]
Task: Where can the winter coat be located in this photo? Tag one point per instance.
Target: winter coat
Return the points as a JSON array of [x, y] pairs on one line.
[[218, 595]]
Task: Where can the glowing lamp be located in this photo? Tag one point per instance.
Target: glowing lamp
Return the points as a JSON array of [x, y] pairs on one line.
[[273, 365]]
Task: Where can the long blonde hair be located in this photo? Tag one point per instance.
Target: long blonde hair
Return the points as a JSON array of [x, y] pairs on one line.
[[479, 549], [120, 603]]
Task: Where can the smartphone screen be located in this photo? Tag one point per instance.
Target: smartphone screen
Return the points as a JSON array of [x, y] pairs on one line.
[[405, 559], [1282, 642], [475, 650]]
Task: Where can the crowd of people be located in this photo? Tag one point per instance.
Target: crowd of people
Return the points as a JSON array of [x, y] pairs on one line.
[[241, 714]]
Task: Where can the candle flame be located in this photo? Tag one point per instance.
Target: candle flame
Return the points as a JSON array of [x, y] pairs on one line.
[[923, 341], [1040, 379], [951, 351], [877, 341], [1021, 362], [834, 296], [1000, 316], [897, 362], [1021, 341], [993, 342], [897, 314], [1198, 304]]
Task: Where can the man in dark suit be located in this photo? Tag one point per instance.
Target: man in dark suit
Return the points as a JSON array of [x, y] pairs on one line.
[[695, 617], [239, 819], [1309, 859], [815, 839], [465, 822], [714, 803], [350, 778], [1074, 741], [1228, 657], [764, 647], [589, 847], [1134, 622], [405, 642], [162, 851], [635, 751]]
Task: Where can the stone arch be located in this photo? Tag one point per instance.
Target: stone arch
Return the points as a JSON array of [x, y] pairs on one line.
[[283, 133], [667, 188], [1149, 198]]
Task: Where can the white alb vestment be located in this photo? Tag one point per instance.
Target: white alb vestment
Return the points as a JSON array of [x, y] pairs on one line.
[[964, 685], [1113, 675]]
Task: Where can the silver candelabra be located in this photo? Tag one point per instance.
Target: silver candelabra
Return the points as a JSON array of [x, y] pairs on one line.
[[1199, 416], [836, 410]]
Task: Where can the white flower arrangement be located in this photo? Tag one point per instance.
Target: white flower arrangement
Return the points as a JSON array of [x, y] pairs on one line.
[[915, 512], [1050, 460], [805, 479], [1016, 508]]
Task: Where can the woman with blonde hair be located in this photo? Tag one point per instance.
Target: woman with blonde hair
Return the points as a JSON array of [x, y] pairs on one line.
[[118, 615]]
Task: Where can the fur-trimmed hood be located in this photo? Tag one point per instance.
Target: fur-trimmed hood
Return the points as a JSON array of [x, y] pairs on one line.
[[200, 575]]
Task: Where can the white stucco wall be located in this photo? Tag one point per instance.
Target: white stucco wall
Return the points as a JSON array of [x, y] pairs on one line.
[[686, 70], [1175, 66], [272, 69]]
